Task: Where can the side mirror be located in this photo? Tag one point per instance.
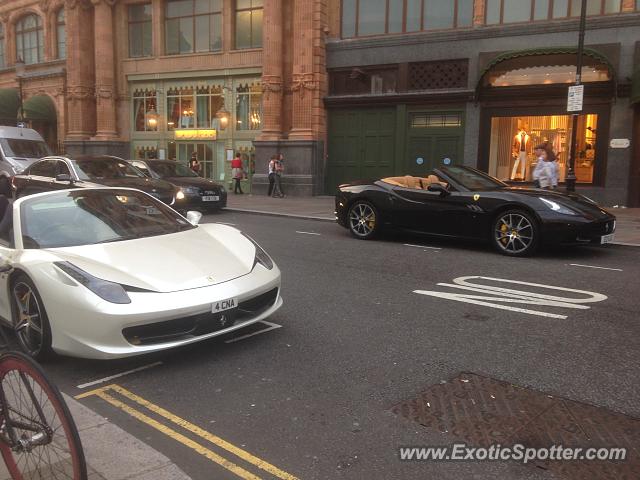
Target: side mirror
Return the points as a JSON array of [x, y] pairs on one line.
[[5, 265], [194, 217], [64, 177], [436, 187]]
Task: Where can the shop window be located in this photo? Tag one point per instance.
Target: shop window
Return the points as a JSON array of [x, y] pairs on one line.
[[209, 101], [359, 81], [2, 61], [249, 107], [61, 34], [375, 17], [193, 26], [145, 111], [140, 36], [180, 108], [145, 152], [515, 11], [422, 120], [249, 14], [30, 39], [511, 153]]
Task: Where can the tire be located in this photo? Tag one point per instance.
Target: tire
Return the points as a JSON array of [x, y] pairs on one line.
[[5, 187], [363, 220], [30, 321], [515, 233], [57, 453]]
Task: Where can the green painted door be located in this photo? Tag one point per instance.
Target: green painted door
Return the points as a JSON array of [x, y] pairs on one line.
[[433, 137], [361, 145]]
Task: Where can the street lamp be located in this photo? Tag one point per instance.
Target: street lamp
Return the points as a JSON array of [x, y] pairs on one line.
[[570, 180], [20, 69]]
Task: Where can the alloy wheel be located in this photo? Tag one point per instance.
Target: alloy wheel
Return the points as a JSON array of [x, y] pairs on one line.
[[514, 233], [362, 220], [28, 325]]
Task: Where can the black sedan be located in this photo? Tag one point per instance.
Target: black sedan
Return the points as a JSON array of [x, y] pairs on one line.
[[193, 191], [456, 201], [58, 173]]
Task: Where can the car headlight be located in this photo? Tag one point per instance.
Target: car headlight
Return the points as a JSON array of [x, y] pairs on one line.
[[184, 191], [557, 207], [261, 257], [109, 291]]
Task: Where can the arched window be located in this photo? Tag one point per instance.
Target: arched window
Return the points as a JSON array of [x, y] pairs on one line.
[[1, 46], [30, 39], [61, 34]]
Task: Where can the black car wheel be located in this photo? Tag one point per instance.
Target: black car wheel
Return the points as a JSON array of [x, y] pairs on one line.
[[363, 220], [515, 233], [30, 320]]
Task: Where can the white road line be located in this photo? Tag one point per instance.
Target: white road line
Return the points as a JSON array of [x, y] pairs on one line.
[[421, 246], [272, 326], [117, 375], [225, 223], [308, 233], [599, 268]]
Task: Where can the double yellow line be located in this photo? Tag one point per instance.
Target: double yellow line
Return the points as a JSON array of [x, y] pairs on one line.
[[104, 394]]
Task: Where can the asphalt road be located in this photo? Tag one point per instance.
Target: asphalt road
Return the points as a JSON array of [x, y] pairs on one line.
[[313, 398]]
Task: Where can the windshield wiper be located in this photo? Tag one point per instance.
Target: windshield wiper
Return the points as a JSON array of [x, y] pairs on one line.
[[118, 239]]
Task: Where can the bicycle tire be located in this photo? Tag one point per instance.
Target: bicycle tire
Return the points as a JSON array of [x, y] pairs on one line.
[[14, 367]]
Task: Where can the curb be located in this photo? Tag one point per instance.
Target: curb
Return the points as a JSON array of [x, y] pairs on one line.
[[278, 214]]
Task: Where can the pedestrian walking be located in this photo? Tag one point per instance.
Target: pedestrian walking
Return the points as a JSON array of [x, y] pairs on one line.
[[194, 164], [279, 173], [272, 174], [237, 172], [545, 169]]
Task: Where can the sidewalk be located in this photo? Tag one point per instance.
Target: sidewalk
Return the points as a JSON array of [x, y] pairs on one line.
[[113, 454], [322, 208]]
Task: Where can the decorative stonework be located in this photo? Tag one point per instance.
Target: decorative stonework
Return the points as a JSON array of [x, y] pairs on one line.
[[104, 91], [110, 3], [72, 4], [271, 83], [80, 92], [45, 5], [303, 81]]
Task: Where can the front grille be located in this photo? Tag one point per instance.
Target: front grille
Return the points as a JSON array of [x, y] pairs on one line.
[[197, 325]]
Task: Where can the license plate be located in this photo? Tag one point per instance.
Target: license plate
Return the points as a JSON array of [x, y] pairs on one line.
[[210, 198], [224, 305], [607, 238]]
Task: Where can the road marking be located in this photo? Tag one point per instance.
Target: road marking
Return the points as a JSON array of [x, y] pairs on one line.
[[421, 246], [117, 375], [219, 442], [494, 294], [308, 233], [599, 268], [272, 326], [225, 223]]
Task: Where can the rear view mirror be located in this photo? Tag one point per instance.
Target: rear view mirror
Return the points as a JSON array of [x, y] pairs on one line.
[[194, 217], [64, 177], [437, 187]]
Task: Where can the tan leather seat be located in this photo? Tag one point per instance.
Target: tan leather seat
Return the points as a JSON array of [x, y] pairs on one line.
[[413, 182]]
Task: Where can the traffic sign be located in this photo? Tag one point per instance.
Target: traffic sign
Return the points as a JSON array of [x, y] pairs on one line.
[[575, 98]]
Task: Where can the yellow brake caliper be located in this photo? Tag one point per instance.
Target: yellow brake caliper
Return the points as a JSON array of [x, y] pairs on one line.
[[504, 229]]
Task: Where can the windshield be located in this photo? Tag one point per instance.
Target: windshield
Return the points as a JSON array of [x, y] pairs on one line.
[[472, 179], [19, 147], [87, 217], [172, 169], [97, 169]]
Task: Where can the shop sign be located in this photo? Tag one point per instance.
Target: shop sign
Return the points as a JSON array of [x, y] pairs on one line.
[[196, 134], [575, 98], [619, 143]]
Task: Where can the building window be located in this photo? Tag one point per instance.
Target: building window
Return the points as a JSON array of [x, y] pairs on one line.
[[193, 26], [145, 111], [209, 101], [140, 30], [180, 108], [2, 64], [514, 11], [375, 17], [249, 107], [61, 34], [249, 23], [423, 120], [30, 39]]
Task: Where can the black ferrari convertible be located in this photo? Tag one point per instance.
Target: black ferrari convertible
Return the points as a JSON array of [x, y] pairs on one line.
[[457, 201]]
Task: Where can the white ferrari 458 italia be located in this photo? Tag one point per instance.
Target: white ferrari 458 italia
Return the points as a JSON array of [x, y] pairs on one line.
[[113, 272]]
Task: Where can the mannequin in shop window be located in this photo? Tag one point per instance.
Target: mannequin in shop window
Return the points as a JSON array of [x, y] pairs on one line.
[[520, 146]]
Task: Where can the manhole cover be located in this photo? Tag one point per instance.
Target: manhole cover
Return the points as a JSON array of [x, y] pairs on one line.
[[482, 411]]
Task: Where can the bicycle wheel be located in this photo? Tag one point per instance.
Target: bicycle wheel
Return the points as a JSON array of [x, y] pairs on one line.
[[39, 439]]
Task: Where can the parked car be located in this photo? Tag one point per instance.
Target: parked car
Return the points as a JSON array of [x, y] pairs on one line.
[[457, 201], [193, 191], [59, 173], [19, 148], [113, 272]]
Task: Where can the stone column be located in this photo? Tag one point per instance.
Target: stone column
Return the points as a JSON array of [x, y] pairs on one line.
[[104, 70], [80, 71], [157, 22], [303, 82], [272, 70]]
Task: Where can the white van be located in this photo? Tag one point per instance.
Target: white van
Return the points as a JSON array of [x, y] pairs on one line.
[[19, 148]]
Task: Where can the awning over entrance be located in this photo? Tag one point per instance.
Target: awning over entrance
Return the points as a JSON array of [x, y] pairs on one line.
[[9, 104], [40, 108], [635, 87]]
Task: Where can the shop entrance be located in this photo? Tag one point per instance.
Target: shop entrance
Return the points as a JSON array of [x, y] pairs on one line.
[[206, 154], [433, 139]]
